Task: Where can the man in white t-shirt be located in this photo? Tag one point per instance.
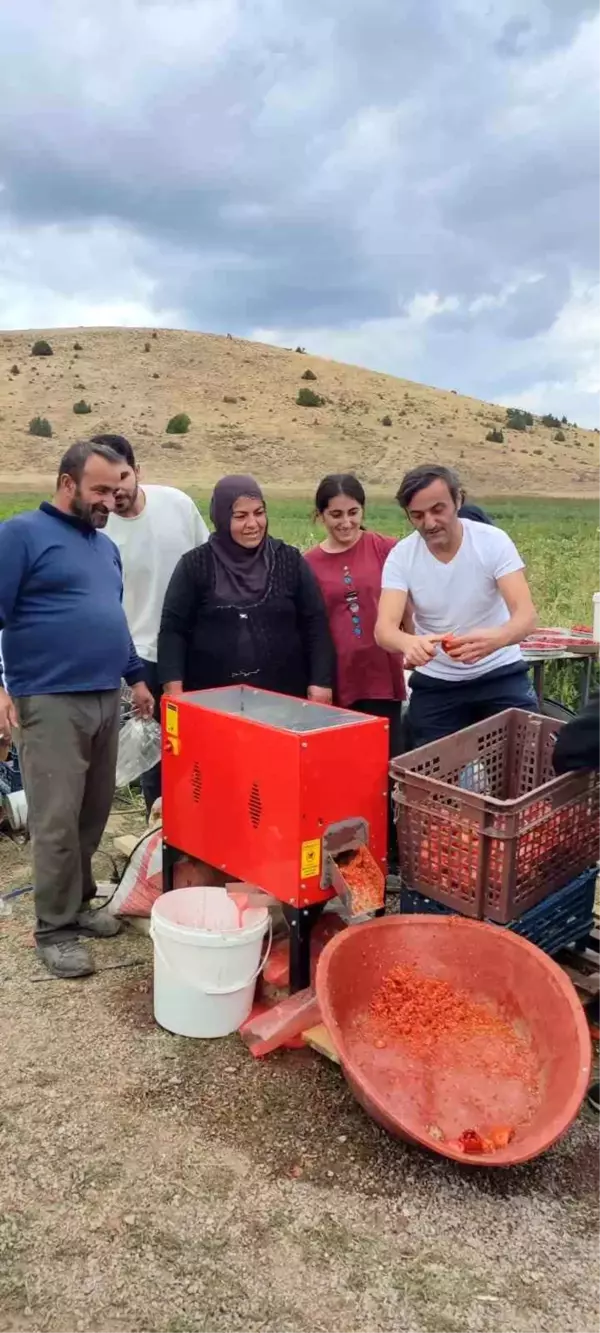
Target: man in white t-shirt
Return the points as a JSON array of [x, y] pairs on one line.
[[471, 608], [153, 526]]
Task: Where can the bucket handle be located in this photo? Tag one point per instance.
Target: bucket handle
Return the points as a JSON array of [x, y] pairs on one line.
[[225, 990]]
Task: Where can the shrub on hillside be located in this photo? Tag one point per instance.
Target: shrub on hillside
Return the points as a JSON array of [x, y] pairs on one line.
[[41, 348], [549, 420], [146, 347], [229, 398], [495, 436], [155, 335], [517, 419], [81, 408], [386, 421], [40, 426], [308, 375], [14, 370], [301, 349], [307, 398], [77, 347], [179, 424], [560, 436]]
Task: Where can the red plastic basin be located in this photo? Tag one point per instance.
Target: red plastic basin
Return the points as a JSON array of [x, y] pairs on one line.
[[407, 1096]]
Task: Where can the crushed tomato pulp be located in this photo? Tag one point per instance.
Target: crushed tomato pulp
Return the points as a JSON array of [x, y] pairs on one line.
[[365, 880], [443, 1025]]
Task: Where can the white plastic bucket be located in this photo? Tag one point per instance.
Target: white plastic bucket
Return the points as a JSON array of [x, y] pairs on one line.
[[204, 978]]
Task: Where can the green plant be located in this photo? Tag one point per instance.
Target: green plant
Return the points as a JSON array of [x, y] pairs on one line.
[[77, 347], [81, 408], [386, 421], [308, 375], [517, 420], [146, 347], [40, 426], [549, 420], [301, 349], [179, 424], [14, 370], [495, 436], [307, 398], [41, 348], [560, 436]]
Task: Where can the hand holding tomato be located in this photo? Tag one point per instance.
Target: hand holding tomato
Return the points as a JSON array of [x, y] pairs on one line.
[[471, 648]]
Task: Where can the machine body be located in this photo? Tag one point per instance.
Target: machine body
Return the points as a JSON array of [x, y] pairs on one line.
[[268, 788]]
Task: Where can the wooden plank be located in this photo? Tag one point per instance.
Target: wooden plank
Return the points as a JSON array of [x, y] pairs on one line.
[[141, 924], [319, 1038], [590, 985], [126, 843]]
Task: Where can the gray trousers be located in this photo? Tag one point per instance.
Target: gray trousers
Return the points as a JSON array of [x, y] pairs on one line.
[[67, 747]]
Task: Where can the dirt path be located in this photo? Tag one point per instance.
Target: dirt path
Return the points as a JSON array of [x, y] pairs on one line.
[[151, 1183]]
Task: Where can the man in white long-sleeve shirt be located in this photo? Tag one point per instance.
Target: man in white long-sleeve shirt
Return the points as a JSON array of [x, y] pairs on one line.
[[153, 526]]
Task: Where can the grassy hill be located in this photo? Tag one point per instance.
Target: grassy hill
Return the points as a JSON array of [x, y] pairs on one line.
[[241, 398]]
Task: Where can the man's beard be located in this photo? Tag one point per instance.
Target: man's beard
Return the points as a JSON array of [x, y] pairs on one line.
[[126, 502], [95, 515]]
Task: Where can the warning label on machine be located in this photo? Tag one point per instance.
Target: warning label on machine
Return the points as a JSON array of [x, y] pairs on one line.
[[172, 720], [310, 858]]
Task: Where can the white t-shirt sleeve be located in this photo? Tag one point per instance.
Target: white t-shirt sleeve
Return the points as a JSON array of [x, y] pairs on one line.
[[502, 556], [395, 576]]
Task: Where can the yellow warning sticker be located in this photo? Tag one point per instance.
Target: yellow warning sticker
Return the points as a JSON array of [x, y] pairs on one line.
[[310, 859], [172, 720]]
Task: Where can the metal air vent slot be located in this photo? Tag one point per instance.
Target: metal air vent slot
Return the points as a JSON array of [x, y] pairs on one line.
[[255, 806], [196, 783]]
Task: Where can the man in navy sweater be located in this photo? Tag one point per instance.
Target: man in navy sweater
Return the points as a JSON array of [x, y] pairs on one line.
[[65, 648]]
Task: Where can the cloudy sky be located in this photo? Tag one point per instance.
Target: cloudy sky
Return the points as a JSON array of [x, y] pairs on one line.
[[406, 184]]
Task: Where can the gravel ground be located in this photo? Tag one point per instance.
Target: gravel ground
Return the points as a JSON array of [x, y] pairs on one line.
[[153, 1183]]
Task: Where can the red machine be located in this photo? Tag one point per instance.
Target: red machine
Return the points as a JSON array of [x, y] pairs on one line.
[[270, 789]]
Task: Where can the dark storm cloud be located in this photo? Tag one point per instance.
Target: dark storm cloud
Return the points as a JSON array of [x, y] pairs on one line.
[[314, 166]]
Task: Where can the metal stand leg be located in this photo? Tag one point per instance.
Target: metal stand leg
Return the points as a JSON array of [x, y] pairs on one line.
[[586, 681], [169, 856], [300, 921], [539, 672]]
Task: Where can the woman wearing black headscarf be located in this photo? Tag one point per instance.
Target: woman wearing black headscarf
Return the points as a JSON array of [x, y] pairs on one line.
[[244, 608]]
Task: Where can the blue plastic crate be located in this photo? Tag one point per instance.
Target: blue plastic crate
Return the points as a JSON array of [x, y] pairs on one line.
[[10, 775], [561, 919]]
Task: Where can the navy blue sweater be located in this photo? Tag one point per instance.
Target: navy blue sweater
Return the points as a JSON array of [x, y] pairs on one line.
[[64, 630]]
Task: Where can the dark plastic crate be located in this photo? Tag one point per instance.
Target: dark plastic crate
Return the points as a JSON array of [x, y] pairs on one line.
[[563, 918], [485, 826], [10, 775]]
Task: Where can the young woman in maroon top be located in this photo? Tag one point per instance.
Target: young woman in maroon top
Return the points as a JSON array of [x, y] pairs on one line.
[[348, 565]]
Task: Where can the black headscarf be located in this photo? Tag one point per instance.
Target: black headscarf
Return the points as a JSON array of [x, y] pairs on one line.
[[242, 575]]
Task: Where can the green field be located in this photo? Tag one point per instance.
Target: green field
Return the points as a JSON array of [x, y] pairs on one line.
[[558, 540]]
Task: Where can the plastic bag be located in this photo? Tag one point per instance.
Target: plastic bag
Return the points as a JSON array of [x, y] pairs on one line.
[[139, 749]]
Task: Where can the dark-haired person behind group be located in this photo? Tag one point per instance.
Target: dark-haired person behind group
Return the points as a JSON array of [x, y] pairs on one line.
[[65, 646], [348, 565], [245, 608], [465, 581], [577, 749]]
